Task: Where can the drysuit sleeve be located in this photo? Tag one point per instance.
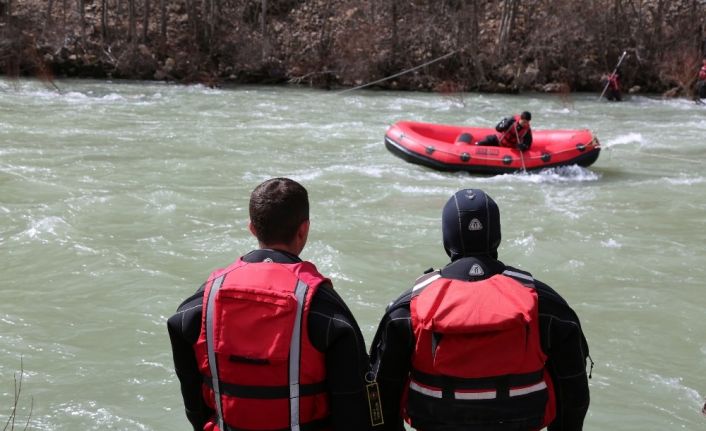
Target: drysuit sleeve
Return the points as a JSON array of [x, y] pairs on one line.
[[504, 124], [390, 354], [184, 328], [526, 141], [567, 350], [334, 332]]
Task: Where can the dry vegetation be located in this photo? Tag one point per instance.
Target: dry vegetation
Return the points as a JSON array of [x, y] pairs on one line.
[[508, 45], [13, 422]]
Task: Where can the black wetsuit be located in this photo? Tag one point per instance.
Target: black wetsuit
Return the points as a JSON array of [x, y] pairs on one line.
[[560, 331], [332, 330]]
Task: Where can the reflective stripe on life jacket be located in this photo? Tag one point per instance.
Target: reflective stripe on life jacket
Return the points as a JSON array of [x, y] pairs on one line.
[[478, 362], [515, 134], [259, 367]]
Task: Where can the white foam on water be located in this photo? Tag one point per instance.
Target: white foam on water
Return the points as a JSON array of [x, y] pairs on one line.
[[367, 171], [572, 173], [626, 139], [611, 243], [560, 174], [327, 260], [685, 180], [565, 202], [420, 190], [75, 97], [526, 243], [40, 228], [676, 385], [85, 250], [96, 415], [560, 111], [112, 97], [573, 263]]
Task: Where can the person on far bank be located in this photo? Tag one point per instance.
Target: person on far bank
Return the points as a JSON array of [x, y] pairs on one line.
[[701, 82], [613, 92], [266, 343], [513, 132], [479, 345]]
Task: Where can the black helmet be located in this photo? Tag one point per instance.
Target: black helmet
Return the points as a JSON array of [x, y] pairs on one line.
[[526, 116], [470, 225]]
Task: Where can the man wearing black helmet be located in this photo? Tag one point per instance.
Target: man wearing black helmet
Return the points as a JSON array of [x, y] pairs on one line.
[[513, 132], [479, 345]]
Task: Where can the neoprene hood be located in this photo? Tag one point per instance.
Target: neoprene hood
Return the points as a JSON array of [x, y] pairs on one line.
[[470, 225]]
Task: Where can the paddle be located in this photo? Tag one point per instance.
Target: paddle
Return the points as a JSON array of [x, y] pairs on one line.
[[614, 72]]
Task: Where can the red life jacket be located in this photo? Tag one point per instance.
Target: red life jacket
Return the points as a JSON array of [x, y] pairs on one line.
[[478, 362], [514, 135], [702, 73], [260, 369], [614, 82]]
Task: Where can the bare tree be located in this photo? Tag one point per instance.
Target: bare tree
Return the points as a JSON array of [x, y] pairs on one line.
[[263, 28], [212, 20], [132, 29], [507, 24], [163, 24], [82, 13], [145, 20], [104, 19], [50, 6], [393, 21], [193, 17], [472, 15]]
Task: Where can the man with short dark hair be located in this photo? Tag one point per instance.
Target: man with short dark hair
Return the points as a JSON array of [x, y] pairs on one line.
[[266, 343], [514, 132], [479, 345]]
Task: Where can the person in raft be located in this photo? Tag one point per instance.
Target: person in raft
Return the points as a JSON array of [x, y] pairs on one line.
[[266, 343], [515, 132], [478, 345]]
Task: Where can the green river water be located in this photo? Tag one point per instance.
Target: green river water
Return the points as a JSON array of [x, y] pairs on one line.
[[118, 199]]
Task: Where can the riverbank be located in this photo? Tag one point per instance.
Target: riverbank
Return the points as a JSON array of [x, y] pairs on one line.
[[505, 47]]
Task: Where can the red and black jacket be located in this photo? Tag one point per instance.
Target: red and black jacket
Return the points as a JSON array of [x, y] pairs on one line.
[[515, 135]]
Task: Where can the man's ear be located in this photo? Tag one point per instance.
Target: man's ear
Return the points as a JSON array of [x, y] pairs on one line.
[[252, 230], [303, 231]]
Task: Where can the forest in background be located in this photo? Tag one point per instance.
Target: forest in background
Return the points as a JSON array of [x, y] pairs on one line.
[[491, 46]]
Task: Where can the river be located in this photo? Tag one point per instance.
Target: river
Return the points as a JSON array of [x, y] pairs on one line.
[[118, 199]]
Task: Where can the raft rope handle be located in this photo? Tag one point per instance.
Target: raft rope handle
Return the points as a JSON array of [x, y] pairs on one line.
[[400, 73]]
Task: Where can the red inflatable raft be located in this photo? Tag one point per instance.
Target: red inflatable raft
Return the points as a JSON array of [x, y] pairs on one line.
[[442, 147]]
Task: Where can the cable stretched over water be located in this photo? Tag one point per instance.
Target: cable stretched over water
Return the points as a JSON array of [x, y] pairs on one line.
[[400, 73], [661, 156]]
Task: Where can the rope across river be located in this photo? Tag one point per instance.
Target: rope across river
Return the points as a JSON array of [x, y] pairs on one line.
[[400, 73]]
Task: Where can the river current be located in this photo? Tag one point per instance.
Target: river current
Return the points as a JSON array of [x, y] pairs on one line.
[[117, 199]]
